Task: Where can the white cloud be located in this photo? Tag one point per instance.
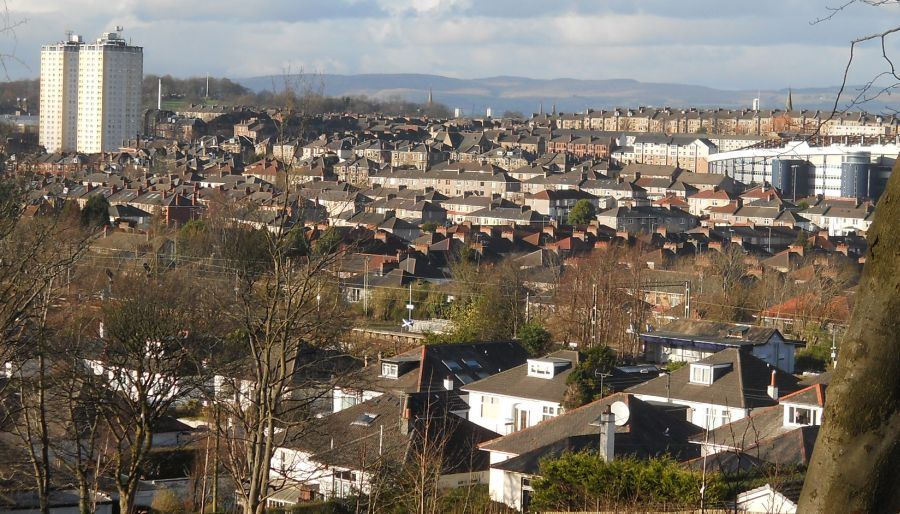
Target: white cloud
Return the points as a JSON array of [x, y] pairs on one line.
[[699, 42]]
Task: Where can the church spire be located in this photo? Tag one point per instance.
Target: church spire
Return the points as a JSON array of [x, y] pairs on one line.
[[789, 104]]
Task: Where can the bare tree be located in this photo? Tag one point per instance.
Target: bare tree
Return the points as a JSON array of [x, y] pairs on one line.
[[872, 88], [286, 308], [8, 26], [151, 358], [80, 437], [437, 443], [600, 298], [37, 244]]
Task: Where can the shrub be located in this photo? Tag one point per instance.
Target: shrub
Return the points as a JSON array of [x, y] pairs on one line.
[[812, 358], [165, 501], [583, 481]]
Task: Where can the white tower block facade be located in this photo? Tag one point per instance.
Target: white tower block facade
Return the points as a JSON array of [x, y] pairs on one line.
[[110, 73], [59, 95], [92, 93]]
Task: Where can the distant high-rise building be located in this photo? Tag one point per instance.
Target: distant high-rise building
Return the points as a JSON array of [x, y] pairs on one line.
[[59, 95], [90, 93]]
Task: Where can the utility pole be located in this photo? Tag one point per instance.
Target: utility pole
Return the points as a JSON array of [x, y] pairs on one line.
[[594, 320], [366, 290], [215, 484], [410, 307], [527, 306], [833, 348], [687, 299]]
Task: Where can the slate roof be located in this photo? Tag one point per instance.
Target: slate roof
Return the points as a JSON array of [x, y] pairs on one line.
[[743, 385], [476, 360], [370, 432], [714, 332], [462, 362], [515, 382], [814, 395], [764, 436], [790, 448], [724, 462], [516, 214], [650, 430], [820, 378]]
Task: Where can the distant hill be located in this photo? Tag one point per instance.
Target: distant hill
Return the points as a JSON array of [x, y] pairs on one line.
[[570, 95]]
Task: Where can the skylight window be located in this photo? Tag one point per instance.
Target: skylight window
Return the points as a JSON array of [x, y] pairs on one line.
[[452, 365], [465, 378], [472, 363], [365, 420]]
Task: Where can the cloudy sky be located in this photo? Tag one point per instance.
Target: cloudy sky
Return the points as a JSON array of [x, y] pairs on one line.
[[733, 44]]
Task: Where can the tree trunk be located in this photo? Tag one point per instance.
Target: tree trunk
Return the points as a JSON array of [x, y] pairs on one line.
[[856, 463], [85, 505]]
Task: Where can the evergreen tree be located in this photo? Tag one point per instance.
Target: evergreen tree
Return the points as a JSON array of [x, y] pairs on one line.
[[582, 213], [95, 212]]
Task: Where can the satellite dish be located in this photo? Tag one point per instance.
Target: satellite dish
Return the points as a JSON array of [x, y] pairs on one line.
[[620, 409]]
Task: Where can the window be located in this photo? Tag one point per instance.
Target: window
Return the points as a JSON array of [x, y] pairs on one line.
[[389, 370], [490, 407], [724, 417], [800, 416], [521, 418], [452, 365], [549, 412], [472, 363], [701, 375], [710, 418], [539, 370]]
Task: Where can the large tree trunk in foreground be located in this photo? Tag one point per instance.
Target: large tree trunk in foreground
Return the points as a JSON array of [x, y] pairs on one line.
[[856, 464]]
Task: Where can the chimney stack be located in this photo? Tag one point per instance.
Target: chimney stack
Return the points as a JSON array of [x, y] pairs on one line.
[[607, 435], [772, 390], [405, 418]]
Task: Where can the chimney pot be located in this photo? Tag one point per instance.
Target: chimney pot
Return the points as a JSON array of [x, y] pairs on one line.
[[772, 390]]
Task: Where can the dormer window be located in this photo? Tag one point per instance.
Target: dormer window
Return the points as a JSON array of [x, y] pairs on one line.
[[547, 368], [702, 375], [738, 332], [801, 416], [389, 370], [539, 369], [706, 374]]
